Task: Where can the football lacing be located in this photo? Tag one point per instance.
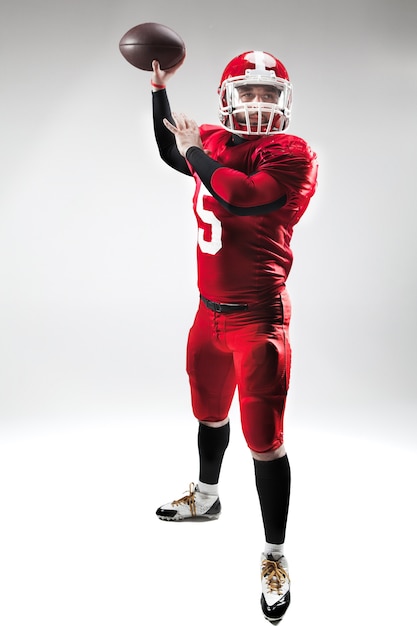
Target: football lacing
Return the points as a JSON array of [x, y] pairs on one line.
[[189, 500], [274, 574]]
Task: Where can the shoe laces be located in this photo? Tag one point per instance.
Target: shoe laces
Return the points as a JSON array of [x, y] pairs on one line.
[[274, 574], [188, 499]]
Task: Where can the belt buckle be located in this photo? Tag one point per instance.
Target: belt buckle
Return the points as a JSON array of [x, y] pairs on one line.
[[217, 307]]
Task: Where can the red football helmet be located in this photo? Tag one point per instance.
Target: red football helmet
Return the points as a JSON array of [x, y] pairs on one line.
[[255, 95]]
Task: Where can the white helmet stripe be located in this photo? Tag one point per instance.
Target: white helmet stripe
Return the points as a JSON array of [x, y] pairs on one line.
[[259, 61]]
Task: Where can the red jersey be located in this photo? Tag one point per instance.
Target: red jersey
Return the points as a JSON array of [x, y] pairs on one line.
[[247, 258]]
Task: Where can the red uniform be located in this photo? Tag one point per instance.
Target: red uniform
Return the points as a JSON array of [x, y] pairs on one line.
[[245, 259]]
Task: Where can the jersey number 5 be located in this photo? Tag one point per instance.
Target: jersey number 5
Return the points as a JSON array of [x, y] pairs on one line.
[[214, 243]]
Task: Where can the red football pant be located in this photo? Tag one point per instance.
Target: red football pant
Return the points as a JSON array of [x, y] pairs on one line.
[[249, 350]]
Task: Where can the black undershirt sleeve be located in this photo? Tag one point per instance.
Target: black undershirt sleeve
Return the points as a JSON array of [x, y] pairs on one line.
[[205, 167], [164, 138]]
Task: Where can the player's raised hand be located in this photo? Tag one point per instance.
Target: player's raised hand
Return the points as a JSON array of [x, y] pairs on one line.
[[186, 132], [161, 77]]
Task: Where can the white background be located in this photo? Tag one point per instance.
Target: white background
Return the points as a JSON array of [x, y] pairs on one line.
[[97, 292]]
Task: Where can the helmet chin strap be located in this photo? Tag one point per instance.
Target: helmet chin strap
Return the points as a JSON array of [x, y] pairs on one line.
[[241, 129]]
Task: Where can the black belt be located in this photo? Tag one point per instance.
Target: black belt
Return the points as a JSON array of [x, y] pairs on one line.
[[223, 308]]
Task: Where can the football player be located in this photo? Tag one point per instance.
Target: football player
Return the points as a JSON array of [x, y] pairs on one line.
[[253, 183]]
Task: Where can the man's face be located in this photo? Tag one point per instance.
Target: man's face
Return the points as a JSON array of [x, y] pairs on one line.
[[256, 94]]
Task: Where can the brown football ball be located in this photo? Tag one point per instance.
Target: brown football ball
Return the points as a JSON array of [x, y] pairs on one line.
[[148, 41]]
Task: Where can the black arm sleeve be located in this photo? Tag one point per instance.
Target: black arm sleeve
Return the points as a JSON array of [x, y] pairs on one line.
[[257, 201], [164, 138], [204, 165]]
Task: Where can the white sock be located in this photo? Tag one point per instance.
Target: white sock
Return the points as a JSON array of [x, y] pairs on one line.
[[211, 490], [276, 549]]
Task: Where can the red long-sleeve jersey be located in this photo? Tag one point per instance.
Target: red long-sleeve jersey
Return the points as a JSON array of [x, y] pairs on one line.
[[246, 210]]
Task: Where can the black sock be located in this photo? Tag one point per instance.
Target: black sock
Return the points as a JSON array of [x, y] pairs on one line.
[[212, 444], [273, 481]]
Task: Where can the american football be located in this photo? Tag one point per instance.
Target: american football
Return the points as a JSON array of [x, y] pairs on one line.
[[148, 41]]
